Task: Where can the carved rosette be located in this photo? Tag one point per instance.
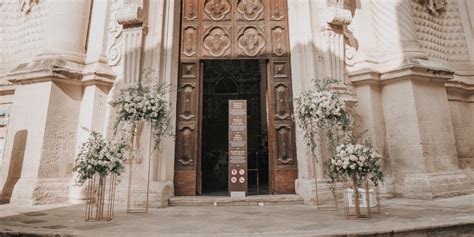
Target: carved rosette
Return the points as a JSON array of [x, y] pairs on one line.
[[217, 42], [217, 10], [250, 10], [251, 42]]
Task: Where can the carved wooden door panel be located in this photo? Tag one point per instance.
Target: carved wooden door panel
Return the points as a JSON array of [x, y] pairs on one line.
[[235, 29]]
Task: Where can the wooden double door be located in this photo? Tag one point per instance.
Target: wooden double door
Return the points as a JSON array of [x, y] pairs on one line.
[[235, 30]]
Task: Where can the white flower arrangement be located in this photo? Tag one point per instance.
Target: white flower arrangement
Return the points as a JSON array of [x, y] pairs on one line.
[[321, 108], [144, 103], [357, 161], [96, 156]]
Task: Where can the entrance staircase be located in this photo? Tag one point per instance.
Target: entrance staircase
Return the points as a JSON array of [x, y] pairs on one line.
[[258, 200]]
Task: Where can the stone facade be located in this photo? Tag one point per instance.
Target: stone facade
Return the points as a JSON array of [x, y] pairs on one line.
[[405, 68]]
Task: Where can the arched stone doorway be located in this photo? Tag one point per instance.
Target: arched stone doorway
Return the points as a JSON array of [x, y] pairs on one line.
[[255, 30]]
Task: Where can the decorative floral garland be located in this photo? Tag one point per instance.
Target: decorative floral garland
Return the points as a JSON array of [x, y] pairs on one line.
[[144, 103], [96, 156]]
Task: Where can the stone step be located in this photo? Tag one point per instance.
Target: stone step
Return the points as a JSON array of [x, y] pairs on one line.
[[258, 200]]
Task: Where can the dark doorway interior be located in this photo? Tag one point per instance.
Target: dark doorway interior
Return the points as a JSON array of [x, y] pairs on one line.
[[226, 80]]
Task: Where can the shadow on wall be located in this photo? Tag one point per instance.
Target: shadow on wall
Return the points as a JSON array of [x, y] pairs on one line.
[[16, 164]]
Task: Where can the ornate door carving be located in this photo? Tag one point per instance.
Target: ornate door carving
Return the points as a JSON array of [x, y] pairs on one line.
[[235, 29]]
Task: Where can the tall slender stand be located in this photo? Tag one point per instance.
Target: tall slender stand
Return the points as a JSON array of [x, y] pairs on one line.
[[96, 192], [130, 177]]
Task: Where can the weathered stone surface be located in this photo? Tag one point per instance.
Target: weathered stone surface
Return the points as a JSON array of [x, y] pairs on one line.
[[400, 217]]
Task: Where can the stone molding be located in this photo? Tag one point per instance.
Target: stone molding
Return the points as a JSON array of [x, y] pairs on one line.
[[410, 69], [59, 69]]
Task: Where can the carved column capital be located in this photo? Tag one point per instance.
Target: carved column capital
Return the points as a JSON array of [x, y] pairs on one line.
[[337, 16], [131, 13]]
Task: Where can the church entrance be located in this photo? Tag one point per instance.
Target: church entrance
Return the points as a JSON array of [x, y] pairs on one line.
[[234, 49], [226, 80]]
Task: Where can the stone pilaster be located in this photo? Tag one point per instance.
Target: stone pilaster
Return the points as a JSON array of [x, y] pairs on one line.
[[421, 156]]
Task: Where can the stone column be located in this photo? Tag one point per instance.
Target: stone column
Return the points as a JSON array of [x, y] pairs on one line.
[[162, 56], [335, 22], [301, 16], [66, 24], [97, 80], [395, 30]]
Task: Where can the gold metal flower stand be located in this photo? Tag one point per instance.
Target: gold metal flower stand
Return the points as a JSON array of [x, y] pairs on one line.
[[131, 161], [100, 198], [333, 188], [361, 202]]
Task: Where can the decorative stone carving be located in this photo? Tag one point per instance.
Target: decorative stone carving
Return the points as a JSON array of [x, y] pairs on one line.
[[284, 146], [279, 41], [21, 37], [114, 53], [251, 10], [280, 70], [131, 13], [190, 41], [217, 42], [337, 16], [217, 10], [188, 71], [351, 45], [434, 7], [133, 48], [281, 101], [185, 145], [251, 42], [441, 37], [277, 10], [27, 5], [189, 9], [187, 95]]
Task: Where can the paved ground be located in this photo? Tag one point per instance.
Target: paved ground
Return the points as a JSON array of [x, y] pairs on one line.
[[445, 217]]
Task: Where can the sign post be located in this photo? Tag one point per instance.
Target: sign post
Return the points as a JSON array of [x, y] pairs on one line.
[[238, 148]]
